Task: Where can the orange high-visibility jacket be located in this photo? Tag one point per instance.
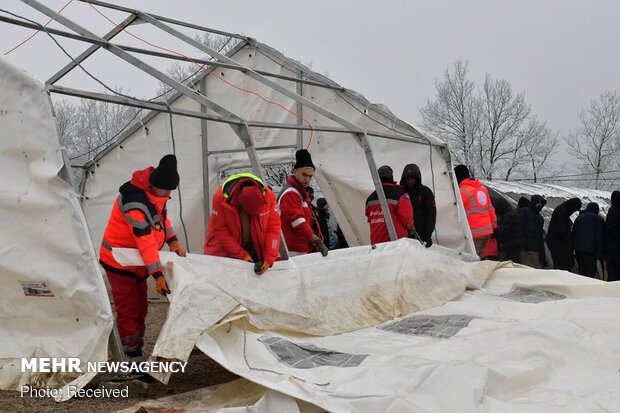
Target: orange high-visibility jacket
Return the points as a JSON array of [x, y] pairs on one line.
[[139, 220], [224, 232], [480, 212]]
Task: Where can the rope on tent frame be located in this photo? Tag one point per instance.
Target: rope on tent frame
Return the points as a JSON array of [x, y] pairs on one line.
[[36, 32], [116, 93], [210, 72]]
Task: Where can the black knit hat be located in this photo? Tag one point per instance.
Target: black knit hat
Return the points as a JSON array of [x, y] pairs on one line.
[[303, 159], [461, 172], [385, 174], [165, 176]]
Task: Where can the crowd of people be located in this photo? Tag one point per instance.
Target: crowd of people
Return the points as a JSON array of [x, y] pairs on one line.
[[248, 221], [517, 234]]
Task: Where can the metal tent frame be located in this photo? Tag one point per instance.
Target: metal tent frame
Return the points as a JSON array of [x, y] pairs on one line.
[[210, 110]]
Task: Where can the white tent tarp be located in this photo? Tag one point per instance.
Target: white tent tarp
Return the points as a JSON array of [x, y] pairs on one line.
[[466, 337], [54, 301]]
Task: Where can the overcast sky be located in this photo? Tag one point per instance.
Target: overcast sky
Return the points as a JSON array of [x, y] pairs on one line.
[[561, 54]]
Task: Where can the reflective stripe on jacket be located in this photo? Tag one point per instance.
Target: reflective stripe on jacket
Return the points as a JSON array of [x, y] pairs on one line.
[[138, 220], [296, 216], [477, 203], [224, 232], [401, 212]]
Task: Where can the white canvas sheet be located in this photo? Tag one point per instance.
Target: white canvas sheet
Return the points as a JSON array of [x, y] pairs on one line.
[[322, 330], [54, 301]]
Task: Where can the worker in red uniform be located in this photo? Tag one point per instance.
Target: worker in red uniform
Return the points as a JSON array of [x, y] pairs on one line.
[[296, 208], [139, 219], [244, 222], [478, 207], [399, 205]]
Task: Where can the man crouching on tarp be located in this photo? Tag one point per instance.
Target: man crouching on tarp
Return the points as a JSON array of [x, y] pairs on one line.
[[139, 220], [244, 222]]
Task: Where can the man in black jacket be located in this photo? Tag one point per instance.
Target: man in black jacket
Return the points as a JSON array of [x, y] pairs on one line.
[[558, 234], [533, 247], [588, 237], [612, 230], [422, 200], [510, 232]]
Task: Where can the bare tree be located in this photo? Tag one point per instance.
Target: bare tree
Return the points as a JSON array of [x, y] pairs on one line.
[[186, 71], [453, 116], [596, 141], [540, 143], [491, 129], [503, 116], [99, 124]]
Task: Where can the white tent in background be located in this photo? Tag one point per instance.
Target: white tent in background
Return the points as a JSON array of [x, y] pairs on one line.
[[206, 148], [54, 301]]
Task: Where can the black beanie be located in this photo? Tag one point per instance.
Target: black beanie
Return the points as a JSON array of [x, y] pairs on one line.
[[385, 174], [165, 176], [303, 159], [461, 172]]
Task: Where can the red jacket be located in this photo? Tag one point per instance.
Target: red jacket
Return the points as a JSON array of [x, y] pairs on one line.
[[139, 220], [296, 216], [477, 203], [224, 233], [401, 212]]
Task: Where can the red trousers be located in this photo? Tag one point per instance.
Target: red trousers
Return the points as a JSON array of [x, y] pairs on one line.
[[131, 305]]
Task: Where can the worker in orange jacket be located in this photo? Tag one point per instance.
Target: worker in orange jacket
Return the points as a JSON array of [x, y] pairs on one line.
[[478, 207], [139, 219], [244, 222]]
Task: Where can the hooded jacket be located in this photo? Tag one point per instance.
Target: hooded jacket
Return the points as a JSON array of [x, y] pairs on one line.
[[510, 233], [477, 203], [612, 226], [139, 220], [558, 233], [422, 201], [533, 224], [224, 232], [588, 232]]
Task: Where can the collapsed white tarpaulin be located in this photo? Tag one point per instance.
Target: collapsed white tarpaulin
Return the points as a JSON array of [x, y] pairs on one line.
[[54, 301], [402, 328]]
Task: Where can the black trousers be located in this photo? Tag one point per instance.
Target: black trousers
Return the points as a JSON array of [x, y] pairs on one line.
[[562, 257], [586, 263], [613, 266]]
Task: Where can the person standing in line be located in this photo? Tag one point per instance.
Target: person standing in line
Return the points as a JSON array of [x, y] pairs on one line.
[[588, 238], [558, 234], [612, 239], [510, 232], [533, 247]]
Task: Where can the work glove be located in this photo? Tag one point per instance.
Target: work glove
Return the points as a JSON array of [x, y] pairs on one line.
[[160, 283], [261, 267], [428, 242], [321, 247], [175, 246], [248, 258]]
